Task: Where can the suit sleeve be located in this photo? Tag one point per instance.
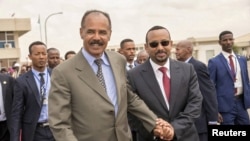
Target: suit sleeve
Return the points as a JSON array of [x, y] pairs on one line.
[[140, 110], [60, 108], [192, 109], [208, 92], [212, 71], [9, 98], [16, 111]]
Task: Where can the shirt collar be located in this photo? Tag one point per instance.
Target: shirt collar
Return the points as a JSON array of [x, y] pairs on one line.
[[91, 59], [226, 54], [156, 66]]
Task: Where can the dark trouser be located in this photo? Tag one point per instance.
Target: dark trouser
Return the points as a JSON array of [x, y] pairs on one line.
[[238, 115], [134, 135], [203, 136], [4, 132], [43, 134]]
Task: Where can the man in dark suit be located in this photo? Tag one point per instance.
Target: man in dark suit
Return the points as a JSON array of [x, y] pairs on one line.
[[90, 97], [53, 57], [127, 49], [229, 74], [6, 94], [180, 104], [30, 103], [209, 111]]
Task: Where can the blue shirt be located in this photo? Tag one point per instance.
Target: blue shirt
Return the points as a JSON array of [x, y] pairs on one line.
[[44, 112], [107, 74]]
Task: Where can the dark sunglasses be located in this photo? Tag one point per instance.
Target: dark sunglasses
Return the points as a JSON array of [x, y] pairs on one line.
[[155, 44]]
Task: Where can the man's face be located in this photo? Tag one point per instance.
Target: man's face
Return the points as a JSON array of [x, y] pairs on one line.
[[70, 55], [128, 50], [227, 42], [53, 58], [159, 45], [142, 58], [95, 34], [181, 52], [38, 57]]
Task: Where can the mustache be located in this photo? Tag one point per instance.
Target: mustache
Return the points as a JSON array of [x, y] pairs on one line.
[[160, 51], [98, 42]]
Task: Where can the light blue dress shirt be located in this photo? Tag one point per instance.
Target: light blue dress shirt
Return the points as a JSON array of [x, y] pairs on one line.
[[44, 112], [107, 74]]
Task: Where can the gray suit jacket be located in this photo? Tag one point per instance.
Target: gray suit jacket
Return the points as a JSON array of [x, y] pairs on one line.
[[185, 97], [80, 110]]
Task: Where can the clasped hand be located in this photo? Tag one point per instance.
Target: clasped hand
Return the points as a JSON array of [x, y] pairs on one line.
[[163, 130]]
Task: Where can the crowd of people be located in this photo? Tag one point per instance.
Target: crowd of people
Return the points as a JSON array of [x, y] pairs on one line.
[[118, 96]]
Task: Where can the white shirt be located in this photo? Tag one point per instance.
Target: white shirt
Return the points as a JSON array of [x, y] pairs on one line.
[[237, 71], [127, 65], [159, 75]]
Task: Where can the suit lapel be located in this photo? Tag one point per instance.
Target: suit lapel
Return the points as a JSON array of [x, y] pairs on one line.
[[32, 84], [87, 75], [116, 72], [147, 74], [241, 63], [175, 81]]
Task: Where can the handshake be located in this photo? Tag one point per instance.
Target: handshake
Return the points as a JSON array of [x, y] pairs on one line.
[[163, 130]]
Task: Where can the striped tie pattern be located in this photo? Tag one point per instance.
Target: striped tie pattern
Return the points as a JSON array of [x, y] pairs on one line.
[[99, 73]]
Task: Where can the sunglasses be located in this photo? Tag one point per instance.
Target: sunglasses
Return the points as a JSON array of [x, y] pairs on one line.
[[155, 44]]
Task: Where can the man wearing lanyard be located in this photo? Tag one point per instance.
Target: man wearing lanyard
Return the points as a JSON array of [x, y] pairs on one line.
[[30, 103], [229, 74]]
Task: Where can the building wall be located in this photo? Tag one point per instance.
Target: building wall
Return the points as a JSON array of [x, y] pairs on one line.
[[10, 31], [204, 48]]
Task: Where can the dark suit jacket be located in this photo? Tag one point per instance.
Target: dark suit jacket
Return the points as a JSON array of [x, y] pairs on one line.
[[7, 83], [209, 111], [185, 97], [224, 82], [26, 108]]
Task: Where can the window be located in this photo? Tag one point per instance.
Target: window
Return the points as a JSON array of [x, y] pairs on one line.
[[7, 39], [209, 54]]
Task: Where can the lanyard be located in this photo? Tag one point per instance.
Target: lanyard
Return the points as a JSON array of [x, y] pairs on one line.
[[46, 83]]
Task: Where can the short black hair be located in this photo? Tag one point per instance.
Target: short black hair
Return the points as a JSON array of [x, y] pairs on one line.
[[35, 43], [67, 53], [95, 11], [224, 33], [52, 48], [124, 41], [157, 27]]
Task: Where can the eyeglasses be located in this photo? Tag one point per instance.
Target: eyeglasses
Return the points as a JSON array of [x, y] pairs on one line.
[[155, 44]]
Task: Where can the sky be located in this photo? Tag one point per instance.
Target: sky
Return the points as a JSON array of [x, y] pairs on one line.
[[130, 19]]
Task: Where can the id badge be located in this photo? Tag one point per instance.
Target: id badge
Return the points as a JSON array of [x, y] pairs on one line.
[[237, 84], [45, 101]]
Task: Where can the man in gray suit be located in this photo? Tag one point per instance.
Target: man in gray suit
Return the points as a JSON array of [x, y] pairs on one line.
[[90, 97], [179, 100]]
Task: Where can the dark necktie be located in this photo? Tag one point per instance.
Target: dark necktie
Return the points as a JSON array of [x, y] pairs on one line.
[[166, 82], [42, 85], [99, 73], [231, 63], [130, 66]]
